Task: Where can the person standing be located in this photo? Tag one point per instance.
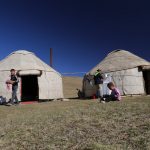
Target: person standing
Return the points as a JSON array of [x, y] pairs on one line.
[[14, 81], [98, 78]]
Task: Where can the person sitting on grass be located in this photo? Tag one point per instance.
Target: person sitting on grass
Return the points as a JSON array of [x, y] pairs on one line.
[[115, 93]]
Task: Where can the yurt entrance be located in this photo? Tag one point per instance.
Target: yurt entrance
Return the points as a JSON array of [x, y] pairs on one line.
[[29, 88], [146, 75]]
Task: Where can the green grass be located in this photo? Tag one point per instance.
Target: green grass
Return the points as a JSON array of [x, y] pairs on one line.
[[77, 125]]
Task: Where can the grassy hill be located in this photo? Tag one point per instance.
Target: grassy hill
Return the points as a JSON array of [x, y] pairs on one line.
[[70, 84], [77, 125]]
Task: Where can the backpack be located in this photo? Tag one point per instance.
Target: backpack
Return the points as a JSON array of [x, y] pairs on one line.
[[2, 100]]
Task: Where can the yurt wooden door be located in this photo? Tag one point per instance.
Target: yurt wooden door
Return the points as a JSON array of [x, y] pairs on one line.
[[146, 75], [29, 88]]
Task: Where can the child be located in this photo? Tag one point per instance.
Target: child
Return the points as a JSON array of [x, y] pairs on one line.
[[115, 94]]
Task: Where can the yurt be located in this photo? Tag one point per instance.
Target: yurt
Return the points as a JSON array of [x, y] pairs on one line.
[[130, 73], [37, 80]]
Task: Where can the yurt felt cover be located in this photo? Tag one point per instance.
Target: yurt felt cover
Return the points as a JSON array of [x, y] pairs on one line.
[[119, 60], [27, 63], [124, 69]]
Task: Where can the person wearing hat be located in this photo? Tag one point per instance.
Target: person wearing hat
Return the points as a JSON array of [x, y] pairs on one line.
[[98, 78]]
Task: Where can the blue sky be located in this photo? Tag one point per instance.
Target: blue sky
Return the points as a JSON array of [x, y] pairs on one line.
[[81, 32]]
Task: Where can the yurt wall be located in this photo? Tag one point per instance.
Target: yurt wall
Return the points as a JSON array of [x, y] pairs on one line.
[[50, 85], [129, 81], [89, 87]]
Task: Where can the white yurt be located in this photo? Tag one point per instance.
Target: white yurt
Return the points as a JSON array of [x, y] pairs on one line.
[[130, 73], [37, 80]]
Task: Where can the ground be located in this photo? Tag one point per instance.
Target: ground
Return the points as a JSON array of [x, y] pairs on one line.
[[77, 125], [70, 84]]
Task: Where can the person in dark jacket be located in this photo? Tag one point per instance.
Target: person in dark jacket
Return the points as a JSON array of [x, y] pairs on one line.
[[98, 78], [14, 81]]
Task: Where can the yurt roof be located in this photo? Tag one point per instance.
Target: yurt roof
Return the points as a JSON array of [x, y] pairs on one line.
[[119, 60], [24, 60], [23, 52]]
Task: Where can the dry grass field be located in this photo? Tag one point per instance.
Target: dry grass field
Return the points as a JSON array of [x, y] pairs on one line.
[[77, 125], [70, 86]]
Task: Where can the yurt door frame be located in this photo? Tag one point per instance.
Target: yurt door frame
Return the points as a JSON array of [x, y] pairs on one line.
[[146, 75], [29, 88]]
